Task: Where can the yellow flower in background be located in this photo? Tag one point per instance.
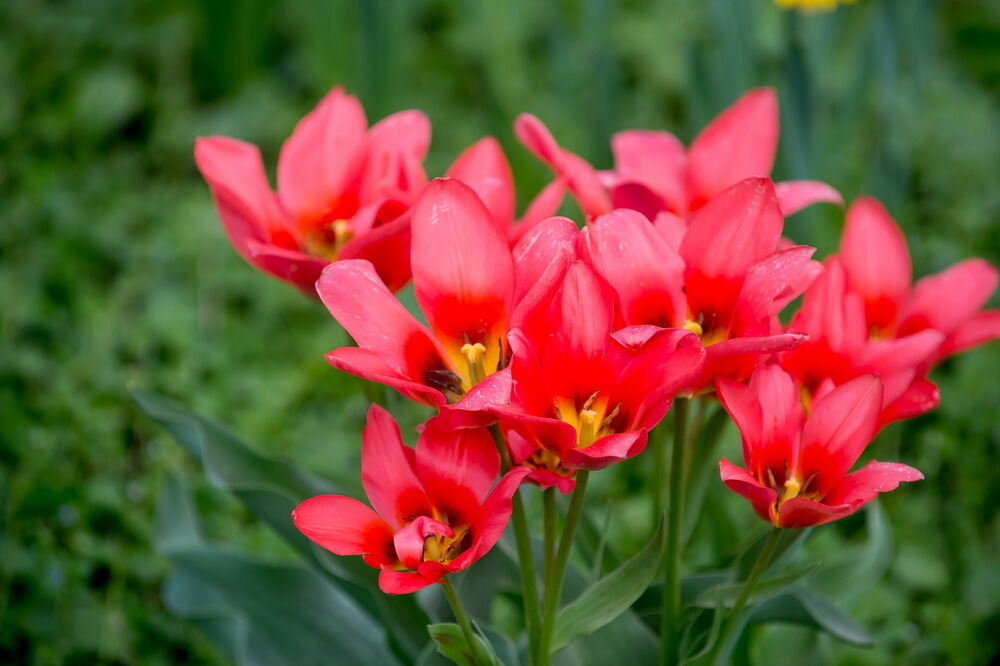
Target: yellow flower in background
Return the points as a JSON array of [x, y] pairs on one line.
[[812, 5]]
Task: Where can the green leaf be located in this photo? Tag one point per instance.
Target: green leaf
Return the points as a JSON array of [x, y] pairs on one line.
[[259, 613], [764, 589], [610, 596], [270, 489], [451, 643], [788, 542], [803, 606], [281, 614], [856, 569]]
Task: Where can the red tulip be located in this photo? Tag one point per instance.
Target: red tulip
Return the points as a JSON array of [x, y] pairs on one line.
[[584, 397], [722, 279], [796, 467], [876, 264], [654, 173], [432, 509], [841, 347], [464, 278], [342, 192]]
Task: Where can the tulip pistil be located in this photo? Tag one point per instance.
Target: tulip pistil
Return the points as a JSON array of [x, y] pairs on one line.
[[693, 326], [475, 359]]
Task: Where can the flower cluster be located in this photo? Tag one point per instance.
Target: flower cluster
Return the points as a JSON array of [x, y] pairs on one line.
[[550, 349]]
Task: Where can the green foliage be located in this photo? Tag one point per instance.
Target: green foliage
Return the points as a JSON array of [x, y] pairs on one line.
[[116, 273]]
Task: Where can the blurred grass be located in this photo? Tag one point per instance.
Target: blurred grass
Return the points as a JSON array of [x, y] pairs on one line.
[[115, 271]]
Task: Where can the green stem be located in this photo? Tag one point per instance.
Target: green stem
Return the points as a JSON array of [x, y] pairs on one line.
[[463, 621], [759, 567], [549, 518], [554, 583], [525, 556], [670, 622], [659, 445]]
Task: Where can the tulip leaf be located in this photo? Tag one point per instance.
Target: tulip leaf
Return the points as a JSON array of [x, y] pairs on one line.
[[451, 643], [800, 605], [259, 613], [270, 489], [610, 596], [764, 589]]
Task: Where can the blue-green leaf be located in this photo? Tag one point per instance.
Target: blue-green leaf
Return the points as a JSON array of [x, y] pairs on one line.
[[610, 596]]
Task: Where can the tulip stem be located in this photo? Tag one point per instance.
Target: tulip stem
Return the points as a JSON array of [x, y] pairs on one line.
[[525, 556], [554, 582], [759, 567], [463, 622], [549, 517], [671, 618]]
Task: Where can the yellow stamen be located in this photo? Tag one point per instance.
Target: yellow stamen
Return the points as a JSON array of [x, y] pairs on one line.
[[475, 360], [693, 326]]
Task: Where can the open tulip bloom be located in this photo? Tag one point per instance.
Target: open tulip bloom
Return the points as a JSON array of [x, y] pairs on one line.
[[343, 190], [655, 174], [434, 510], [795, 466], [550, 351]]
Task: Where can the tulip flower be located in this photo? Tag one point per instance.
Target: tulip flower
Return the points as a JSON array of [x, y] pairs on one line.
[[434, 510], [654, 173], [841, 347], [583, 396], [725, 280], [484, 167], [463, 278], [796, 466], [342, 192], [877, 267]]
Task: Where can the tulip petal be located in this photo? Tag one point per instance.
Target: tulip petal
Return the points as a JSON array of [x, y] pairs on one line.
[[495, 511], [356, 297], [739, 481], [484, 167], [739, 143], [672, 228], [919, 398], [387, 247], [323, 154], [876, 261], [397, 145], [773, 283], [862, 486], [409, 541], [289, 265], [642, 268], [585, 317], [463, 274], [727, 236], [978, 329], [371, 366], [456, 466], [800, 512], [794, 195], [839, 428], [247, 207], [344, 526], [580, 177], [639, 198], [734, 230], [402, 582], [946, 300], [606, 451], [656, 160], [387, 474]]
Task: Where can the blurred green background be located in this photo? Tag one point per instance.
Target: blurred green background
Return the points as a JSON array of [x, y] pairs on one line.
[[116, 273]]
